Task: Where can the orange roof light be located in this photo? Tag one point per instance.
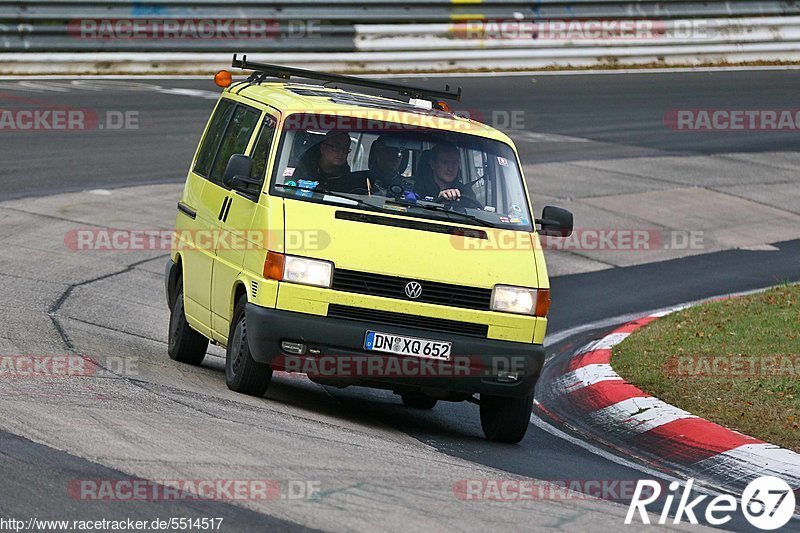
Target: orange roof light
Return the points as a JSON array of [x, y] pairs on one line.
[[223, 79], [443, 106]]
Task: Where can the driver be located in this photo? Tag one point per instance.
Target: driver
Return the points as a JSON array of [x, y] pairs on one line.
[[444, 183]]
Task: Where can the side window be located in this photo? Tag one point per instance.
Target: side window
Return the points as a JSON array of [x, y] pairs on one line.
[[237, 135], [214, 134], [262, 146]]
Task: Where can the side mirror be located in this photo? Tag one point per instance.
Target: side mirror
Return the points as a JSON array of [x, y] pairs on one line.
[[237, 176], [238, 165], [555, 222]]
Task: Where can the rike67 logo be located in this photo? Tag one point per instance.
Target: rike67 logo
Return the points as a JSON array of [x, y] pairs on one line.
[[768, 503]]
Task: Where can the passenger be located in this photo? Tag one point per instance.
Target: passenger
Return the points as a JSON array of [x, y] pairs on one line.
[[444, 183], [385, 164], [326, 163]]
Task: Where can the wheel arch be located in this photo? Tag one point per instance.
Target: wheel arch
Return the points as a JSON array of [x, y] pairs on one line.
[[174, 273], [239, 290]]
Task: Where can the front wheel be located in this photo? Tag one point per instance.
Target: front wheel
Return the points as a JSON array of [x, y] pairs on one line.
[[242, 373], [505, 419]]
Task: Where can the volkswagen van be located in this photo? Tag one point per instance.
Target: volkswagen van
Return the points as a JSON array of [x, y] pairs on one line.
[[366, 240]]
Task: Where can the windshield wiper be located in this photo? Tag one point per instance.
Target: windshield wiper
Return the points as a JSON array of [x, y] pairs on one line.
[[320, 190], [448, 212], [362, 203]]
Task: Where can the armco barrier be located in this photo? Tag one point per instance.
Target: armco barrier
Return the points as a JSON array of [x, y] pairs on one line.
[[38, 36]]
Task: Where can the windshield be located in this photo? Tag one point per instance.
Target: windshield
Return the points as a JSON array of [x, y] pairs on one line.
[[403, 169]]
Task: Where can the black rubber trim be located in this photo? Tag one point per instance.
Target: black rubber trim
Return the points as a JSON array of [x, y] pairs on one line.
[[222, 209], [411, 224], [227, 210], [186, 210]]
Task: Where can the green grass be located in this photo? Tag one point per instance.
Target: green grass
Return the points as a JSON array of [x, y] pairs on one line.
[[673, 358]]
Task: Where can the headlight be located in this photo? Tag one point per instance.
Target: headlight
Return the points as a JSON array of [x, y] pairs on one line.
[[307, 271], [520, 300]]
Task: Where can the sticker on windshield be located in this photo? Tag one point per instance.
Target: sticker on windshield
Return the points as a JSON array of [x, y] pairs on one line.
[[504, 219], [503, 161], [514, 220], [288, 171], [306, 184], [515, 207]]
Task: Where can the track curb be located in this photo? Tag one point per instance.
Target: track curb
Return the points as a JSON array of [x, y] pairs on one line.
[[587, 395]]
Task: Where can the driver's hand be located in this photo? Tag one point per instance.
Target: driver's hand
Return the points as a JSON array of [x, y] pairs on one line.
[[450, 195]]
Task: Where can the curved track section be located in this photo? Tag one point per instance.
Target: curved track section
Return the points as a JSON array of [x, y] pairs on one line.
[[135, 414]]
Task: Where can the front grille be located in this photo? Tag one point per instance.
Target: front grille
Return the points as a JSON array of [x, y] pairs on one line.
[[412, 321], [394, 287]]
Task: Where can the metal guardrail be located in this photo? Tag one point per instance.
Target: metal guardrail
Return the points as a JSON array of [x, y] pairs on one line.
[[386, 11], [386, 35], [533, 36]]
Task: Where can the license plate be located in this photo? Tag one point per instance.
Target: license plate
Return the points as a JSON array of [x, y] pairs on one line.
[[375, 341]]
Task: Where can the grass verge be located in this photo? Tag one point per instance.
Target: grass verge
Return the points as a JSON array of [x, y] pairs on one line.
[[735, 362]]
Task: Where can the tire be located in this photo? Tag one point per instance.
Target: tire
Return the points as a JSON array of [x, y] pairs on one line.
[[185, 345], [505, 419], [242, 373], [418, 401]]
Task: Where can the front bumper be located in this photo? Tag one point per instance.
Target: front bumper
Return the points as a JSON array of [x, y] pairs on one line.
[[335, 349]]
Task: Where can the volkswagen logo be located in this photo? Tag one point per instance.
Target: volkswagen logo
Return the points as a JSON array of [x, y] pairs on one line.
[[413, 290]]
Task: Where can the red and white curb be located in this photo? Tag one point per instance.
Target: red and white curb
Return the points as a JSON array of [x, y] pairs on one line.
[[586, 394]]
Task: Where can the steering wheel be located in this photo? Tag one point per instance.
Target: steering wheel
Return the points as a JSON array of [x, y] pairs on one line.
[[465, 201]]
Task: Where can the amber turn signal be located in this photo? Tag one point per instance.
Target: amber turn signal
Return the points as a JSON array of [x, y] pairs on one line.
[[542, 302], [273, 266]]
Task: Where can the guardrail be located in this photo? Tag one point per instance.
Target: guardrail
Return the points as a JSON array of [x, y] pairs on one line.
[[383, 35]]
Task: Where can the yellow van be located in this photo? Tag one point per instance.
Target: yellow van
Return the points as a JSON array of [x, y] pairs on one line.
[[361, 240]]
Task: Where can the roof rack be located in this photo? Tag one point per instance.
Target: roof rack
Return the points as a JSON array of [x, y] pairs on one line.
[[287, 72]]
